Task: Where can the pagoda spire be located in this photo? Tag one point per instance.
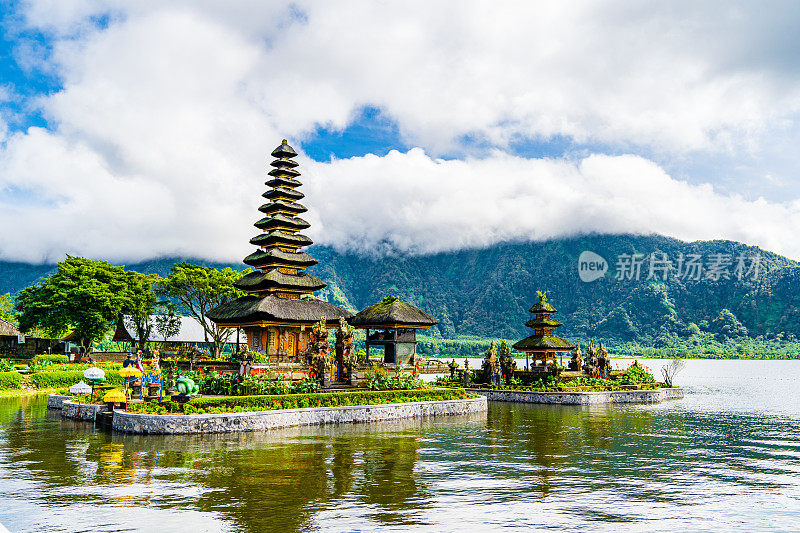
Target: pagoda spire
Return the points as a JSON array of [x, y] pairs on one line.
[[278, 261]]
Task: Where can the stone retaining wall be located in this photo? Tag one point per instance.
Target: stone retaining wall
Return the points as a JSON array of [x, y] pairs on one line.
[[581, 398], [54, 401], [82, 411], [263, 420]]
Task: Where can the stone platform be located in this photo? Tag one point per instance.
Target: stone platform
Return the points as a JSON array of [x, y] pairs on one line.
[[81, 411], [581, 398], [282, 418]]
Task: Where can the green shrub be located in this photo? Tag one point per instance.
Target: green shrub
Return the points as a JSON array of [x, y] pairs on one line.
[[67, 378], [6, 365], [10, 380], [227, 404], [53, 358]]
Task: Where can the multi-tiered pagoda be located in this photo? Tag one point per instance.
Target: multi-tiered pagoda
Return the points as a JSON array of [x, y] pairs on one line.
[[278, 311], [543, 345]]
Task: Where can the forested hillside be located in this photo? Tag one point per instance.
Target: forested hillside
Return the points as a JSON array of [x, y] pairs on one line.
[[487, 292]]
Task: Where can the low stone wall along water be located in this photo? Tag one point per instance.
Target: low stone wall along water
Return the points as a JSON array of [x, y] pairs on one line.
[[581, 398], [81, 411], [281, 418]]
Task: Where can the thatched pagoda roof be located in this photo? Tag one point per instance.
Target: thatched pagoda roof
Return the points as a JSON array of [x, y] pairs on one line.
[[271, 308], [542, 306], [279, 238], [539, 343], [391, 313], [274, 279], [284, 151], [539, 323], [279, 258], [280, 192], [7, 329], [279, 206], [281, 221]]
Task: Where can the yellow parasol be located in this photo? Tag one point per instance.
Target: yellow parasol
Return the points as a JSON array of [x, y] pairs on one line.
[[115, 396], [129, 372]]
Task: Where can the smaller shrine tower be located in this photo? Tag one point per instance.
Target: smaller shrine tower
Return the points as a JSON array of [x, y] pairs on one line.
[[543, 345]]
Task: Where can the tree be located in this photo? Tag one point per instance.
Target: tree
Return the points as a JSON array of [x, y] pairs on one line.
[[83, 295], [167, 323], [7, 308], [140, 304], [198, 289]]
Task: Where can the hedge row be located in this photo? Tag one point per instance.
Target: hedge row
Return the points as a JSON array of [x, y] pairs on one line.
[[222, 404], [10, 380], [67, 378], [53, 357]]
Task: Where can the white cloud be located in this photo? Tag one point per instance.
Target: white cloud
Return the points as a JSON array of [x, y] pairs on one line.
[[165, 120]]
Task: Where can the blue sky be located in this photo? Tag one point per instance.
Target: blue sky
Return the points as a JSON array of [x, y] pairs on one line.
[[678, 119]]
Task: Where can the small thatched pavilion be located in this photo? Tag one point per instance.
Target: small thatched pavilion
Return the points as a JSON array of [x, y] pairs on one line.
[[397, 324]]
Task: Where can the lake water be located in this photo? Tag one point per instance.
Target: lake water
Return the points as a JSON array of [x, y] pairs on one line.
[[727, 457]]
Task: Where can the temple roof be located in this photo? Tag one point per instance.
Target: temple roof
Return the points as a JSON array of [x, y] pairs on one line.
[[121, 333], [280, 181], [274, 279], [284, 163], [281, 172], [392, 313], [283, 192], [272, 308], [284, 151], [542, 306], [281, 221], [539, 343], [542, 323], [7, 329], [278, 238], [280, 205], [276, 258]]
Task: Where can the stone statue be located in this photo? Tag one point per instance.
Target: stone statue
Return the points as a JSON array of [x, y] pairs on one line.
[[576, 362], [603, 362], [453, 366], [507, 363], [590, 364], [345, 358], [318, 350], [489, 364], [466, 376]]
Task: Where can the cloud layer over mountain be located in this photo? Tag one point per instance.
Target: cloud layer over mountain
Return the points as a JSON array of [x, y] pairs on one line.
[[158, 139]]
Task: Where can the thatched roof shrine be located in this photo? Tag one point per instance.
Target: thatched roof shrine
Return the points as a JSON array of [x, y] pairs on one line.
[[391, 313]]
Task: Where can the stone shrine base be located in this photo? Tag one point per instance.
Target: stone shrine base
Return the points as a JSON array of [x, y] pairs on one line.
[[282, 418], [581, 398]]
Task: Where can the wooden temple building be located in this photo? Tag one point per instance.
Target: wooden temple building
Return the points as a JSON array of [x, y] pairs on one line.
[[395, 326], [543, 346], [278, 311]]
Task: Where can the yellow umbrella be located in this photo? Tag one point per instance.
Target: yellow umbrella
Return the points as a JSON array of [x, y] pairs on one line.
[[129, 372], [115, 396]]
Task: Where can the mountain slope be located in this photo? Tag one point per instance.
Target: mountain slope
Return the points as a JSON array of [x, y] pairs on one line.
[[487, 292]]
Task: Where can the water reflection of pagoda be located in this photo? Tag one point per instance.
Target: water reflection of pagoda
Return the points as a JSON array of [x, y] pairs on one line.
[[277, 311]]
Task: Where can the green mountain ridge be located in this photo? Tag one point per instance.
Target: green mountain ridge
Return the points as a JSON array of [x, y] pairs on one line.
[[487, 292]]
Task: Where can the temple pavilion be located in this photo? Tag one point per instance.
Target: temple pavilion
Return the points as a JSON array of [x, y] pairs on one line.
[[278, 311], [393, 325], [543, 346]]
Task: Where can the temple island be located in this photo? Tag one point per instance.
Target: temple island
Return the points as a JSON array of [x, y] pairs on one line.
[[299, 365]]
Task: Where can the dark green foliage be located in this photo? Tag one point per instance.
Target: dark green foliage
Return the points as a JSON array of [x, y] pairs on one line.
[[269, 402], [382, 380], [66, 378], [10, 380], [53, 358], [83, 295]]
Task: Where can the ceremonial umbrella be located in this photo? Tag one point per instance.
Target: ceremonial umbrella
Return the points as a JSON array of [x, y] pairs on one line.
[[129, 372], [115, 396]]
